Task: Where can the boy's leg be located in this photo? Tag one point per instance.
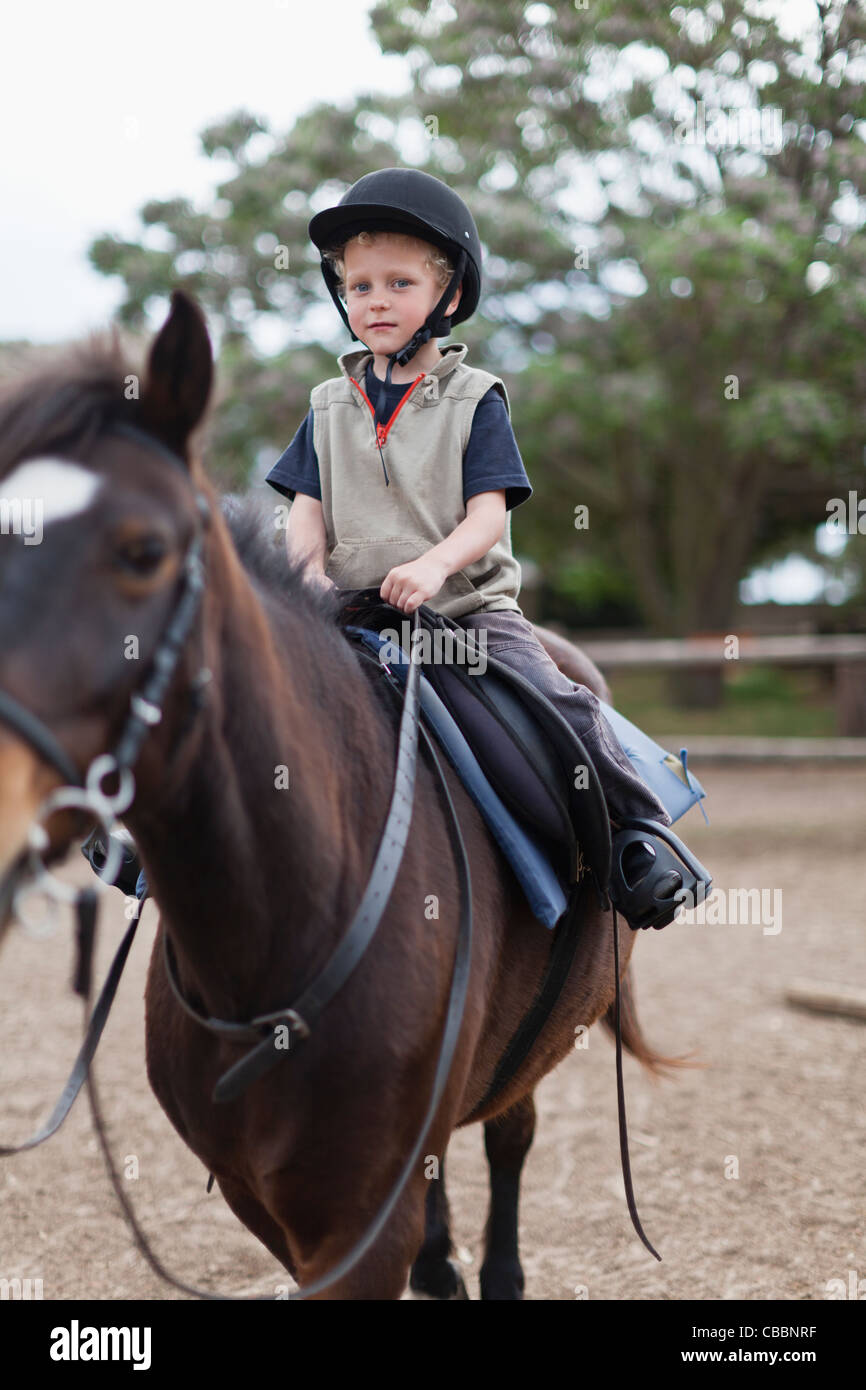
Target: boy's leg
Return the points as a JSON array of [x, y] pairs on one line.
[[643, 890], [511, 639]]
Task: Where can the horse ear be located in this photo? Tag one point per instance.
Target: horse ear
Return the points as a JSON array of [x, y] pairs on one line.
[[179, 374]]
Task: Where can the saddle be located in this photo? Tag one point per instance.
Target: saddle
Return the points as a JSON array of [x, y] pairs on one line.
[[531, 756]]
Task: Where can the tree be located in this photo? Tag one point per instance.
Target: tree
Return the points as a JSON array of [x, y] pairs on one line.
[[669, 198]]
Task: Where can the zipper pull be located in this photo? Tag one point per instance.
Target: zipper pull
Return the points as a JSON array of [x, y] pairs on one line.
[[380, 440]]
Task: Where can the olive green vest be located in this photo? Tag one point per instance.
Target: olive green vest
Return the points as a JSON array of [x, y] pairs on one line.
[[372, 526]]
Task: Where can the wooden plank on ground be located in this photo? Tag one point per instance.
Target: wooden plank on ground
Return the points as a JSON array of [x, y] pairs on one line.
[[827, 999]]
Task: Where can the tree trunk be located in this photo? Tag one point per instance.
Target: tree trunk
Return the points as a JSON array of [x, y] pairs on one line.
[[696, 687]]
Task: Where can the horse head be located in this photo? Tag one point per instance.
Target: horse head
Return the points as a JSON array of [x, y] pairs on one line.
[[100, 505]]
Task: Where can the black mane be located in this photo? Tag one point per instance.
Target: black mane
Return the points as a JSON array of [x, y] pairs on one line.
[[262, 551]]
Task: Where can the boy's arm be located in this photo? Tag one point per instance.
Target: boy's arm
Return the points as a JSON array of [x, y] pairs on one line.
[[306, 538], [407, 586], [481, 528]]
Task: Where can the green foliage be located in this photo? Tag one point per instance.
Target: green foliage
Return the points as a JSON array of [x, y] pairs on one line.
[[670, 199], [757, 701]]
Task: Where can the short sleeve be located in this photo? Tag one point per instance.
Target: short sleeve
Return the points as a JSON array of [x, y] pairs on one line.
[[297, 470], [492, 459]]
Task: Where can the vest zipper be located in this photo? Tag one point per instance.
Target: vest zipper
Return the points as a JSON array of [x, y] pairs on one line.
[[382, 430]]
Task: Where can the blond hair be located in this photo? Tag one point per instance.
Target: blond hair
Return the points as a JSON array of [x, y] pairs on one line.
[[434, 259]]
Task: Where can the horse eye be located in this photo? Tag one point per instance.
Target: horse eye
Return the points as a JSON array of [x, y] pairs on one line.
[[142, 555]]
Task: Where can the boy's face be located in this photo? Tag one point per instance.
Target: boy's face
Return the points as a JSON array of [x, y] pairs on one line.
[[389, 291]]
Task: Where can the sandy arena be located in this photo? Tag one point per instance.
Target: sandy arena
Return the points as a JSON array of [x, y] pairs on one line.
[[748, 1174]]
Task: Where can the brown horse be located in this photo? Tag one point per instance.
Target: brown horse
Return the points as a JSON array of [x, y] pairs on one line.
[[257, 814]]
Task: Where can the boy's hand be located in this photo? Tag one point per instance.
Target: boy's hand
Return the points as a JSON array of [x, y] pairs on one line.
[[319, 578], [408, 586]]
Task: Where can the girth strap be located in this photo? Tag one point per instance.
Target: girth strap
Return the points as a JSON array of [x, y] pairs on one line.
[[556, 972]]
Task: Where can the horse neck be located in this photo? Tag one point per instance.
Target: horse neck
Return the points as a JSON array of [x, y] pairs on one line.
[[267, 807]]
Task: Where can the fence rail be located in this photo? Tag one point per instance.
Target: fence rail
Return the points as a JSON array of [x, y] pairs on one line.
[[844, 653], [711, 651], [723, 748]]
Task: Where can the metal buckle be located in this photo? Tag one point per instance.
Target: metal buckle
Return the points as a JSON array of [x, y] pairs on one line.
[[105, 766], [288, 1016], [104, 808]]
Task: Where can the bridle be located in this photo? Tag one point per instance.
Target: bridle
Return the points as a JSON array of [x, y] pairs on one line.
[[266, 1033]]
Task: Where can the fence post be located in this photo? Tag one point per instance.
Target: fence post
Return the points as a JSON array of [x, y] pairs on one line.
[[851, 698]]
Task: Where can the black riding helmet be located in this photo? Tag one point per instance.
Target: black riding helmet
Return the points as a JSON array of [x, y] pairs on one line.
[[410, 202]]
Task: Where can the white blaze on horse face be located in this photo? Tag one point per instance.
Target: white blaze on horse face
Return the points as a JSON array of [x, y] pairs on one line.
[[45, 490]]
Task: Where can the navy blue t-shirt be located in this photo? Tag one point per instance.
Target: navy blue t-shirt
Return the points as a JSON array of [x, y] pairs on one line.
[[492, 459]]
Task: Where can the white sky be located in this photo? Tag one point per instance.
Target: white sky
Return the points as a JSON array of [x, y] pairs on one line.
[[100, 108]]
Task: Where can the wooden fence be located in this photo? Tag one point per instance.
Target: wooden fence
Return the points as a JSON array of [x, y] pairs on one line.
[[845, 654]]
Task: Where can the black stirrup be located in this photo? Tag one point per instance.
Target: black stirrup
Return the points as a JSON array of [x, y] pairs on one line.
[[639, 902]]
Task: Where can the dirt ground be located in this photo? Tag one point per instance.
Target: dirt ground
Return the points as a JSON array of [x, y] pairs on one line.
[[748, 1174]]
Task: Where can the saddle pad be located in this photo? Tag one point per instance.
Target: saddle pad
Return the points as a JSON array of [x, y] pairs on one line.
[[668, 776], [538, 736], [514, 754], [534, 872]]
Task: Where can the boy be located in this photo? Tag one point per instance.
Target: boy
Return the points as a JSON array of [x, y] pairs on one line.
[[405, 470]]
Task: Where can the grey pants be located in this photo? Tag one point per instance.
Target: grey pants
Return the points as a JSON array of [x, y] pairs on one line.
[[511, 640]]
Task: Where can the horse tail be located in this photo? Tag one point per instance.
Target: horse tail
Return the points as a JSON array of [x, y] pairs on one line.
[[633, 1039]]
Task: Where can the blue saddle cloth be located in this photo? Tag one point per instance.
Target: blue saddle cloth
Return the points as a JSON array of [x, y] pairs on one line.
[[543, 890], [668, 776]]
